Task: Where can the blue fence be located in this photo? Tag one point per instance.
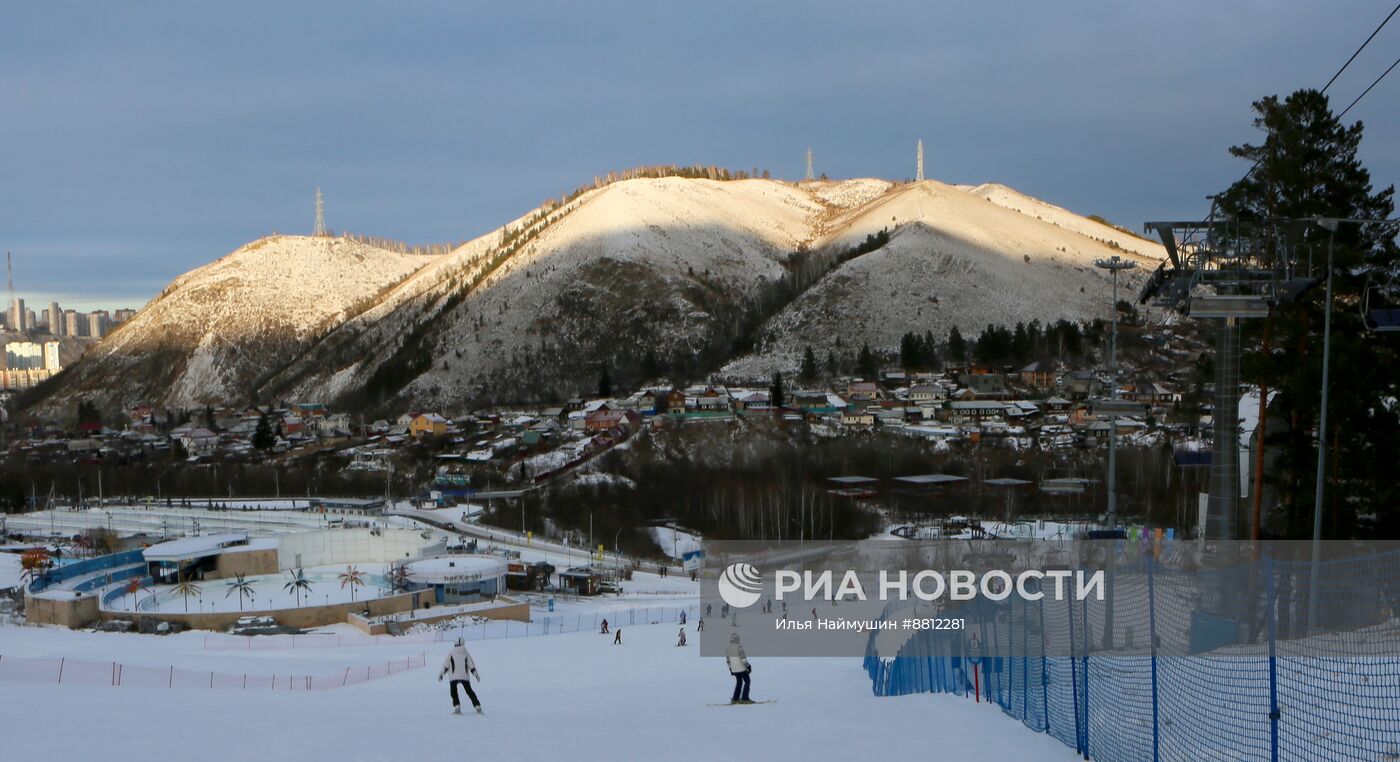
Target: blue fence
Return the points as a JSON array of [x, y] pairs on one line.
[[1149, 675], [61, 574]]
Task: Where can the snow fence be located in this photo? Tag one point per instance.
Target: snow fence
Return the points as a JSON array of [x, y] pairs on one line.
[[446, 632], [1153, 682], [113, 674]]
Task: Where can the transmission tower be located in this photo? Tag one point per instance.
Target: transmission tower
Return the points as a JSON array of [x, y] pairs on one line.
[[810, 174], [919, 165], [320, 229]]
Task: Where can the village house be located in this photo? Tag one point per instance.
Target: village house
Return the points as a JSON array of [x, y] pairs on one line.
[[858, 417], [1040, 374], [197, 441], [675, 401], [986, 385], [603, 417], [427, 424], [1080, 384], [923, 394], [862, 391], [975, 411]]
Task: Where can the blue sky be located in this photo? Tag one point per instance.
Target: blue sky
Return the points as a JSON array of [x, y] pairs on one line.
[[135, 145]]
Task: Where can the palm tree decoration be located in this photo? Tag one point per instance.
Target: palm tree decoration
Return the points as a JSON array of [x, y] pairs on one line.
[[133, 586], [353, 577], [186, 587], [34, 564], [298, 584], [397, 576], [243, 586]]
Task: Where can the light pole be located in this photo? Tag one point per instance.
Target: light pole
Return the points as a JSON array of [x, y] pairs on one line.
[[1113, 264], [1330, 225]]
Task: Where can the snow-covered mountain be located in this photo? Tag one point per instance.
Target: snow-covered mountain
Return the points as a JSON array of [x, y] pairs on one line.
[[216, 331], [678, 273]]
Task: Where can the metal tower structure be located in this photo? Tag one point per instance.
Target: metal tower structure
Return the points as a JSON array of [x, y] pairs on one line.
[[810, 174], [320, 229], [1114, 264], [1227, 271], [919, 163]]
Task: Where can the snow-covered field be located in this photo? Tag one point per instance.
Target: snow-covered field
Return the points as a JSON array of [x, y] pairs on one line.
[[9, 570], [574, 697]]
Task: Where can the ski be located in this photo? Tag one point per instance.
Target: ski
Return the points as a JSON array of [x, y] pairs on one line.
[[732, 703]]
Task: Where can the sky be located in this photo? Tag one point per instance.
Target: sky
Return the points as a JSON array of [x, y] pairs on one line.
[[137, 145]]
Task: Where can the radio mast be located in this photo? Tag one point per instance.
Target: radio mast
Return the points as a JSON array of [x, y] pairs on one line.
[[810, 174], [320, 229], [919, 162]]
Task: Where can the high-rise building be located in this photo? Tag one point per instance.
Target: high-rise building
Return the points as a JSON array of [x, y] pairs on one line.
[[29, 320], [56, 326], [123, 315], [51, 359], [17, 316], [97, 323], [24, 355], [73, 324]]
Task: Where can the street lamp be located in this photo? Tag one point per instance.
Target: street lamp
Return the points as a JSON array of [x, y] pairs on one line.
[[1113, 264]]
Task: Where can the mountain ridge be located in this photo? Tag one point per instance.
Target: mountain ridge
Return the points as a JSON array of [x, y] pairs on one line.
[[698, 274]]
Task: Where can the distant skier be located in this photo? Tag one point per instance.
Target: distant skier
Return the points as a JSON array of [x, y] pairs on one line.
[[682, 618], [681, 642], [460, 665], [740, 668], [709, 610], [700, 625], [604, 631], [617, 640]]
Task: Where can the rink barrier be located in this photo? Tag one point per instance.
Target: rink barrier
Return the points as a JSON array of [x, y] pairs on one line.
[[1274, 694], [65, 671], [556, 624]]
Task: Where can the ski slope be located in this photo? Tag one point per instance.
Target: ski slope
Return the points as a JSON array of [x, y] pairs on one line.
[[563, 697]]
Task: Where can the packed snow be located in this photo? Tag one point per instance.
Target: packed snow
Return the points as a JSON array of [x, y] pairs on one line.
[[9, 570], [594, 700]]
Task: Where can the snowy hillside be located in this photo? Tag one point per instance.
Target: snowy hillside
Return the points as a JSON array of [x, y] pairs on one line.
[[214, 330], [1034, 207], [952, 259], [685, 274]]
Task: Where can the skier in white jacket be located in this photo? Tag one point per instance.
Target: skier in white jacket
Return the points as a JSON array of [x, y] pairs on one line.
[[461, 668], [740, 668]]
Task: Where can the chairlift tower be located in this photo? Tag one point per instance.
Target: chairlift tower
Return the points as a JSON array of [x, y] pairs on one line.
[[1228, 271], [1114, 265]]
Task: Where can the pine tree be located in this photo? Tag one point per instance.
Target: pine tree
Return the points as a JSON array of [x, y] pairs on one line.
[[808, 374], [867, 366], [604, 382], [957, 346], [1307, 166], [775, 391], [263, 438]]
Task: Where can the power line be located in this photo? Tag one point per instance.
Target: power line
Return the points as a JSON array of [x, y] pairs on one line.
[[1358, 50], [1374, 32], [1367, 90]]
